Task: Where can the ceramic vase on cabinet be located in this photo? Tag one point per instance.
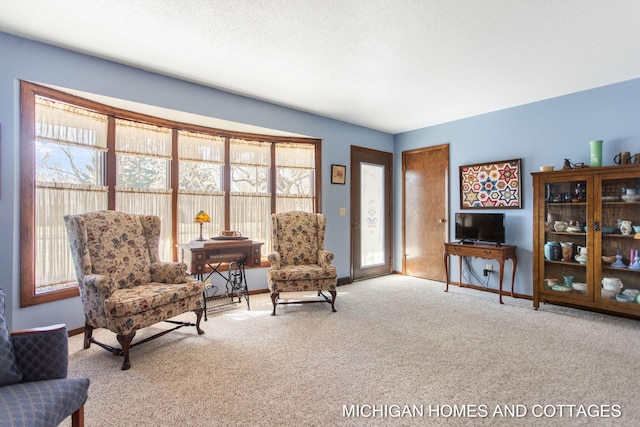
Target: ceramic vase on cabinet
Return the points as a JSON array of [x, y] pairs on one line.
[[552, 251], [625, 227]]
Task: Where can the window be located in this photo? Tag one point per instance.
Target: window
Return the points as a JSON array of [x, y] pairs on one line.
[[143, 159], [201, 170], [80, 156]]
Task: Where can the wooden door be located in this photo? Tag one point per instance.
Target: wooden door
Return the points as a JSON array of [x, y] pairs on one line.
[[371, 213], [425, 190]]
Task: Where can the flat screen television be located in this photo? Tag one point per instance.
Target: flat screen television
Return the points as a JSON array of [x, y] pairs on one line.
[[480, 227]]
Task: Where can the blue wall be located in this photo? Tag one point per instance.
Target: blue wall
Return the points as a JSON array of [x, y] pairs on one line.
[[541, 133], [40, 63]]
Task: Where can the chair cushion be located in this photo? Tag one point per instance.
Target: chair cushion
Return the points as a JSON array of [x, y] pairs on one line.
[[41, 403], [9, 372], [303, 272], [126, 302], [118, 247]]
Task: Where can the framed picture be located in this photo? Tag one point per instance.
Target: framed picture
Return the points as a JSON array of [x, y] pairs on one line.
[[338, 174], [494, 185]]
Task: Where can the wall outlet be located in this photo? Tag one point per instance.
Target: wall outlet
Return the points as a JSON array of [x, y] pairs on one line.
[[488, 267]]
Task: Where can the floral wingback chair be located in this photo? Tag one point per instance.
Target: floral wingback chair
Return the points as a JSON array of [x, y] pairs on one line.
[[298, 259], [123, 285]]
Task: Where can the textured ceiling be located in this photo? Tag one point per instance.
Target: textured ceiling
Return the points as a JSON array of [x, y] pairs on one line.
[[393, 65]]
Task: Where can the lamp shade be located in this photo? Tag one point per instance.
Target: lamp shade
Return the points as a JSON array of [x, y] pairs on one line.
[[201, 217]]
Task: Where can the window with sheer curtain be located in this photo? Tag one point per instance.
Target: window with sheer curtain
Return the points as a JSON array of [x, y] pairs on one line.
[[143, 156], [295, 177], [81, 156], [250, 194], [70, 144], [201, 161]]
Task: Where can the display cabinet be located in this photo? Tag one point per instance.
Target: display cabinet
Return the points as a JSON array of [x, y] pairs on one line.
[[586, 244]]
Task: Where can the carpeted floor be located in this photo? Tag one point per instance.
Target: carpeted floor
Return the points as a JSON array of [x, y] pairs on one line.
[[399, 351]]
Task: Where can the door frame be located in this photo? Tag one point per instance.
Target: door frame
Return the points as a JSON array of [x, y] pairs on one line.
[[355, 211]]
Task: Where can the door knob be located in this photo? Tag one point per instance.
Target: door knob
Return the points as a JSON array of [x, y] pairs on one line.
[[442, 220]]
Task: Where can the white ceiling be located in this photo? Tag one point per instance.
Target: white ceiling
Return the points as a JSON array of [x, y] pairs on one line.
[[391, 65]]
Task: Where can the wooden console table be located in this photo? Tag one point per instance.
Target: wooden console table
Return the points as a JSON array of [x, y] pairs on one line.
[[485, 251], [206, 257]]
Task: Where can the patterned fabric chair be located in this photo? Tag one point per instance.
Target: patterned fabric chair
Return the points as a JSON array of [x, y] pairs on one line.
[[298, 259], [123, 285], [34, 388]]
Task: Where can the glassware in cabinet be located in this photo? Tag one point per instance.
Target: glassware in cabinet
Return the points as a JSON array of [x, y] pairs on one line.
[[618, 279], [565, 238]]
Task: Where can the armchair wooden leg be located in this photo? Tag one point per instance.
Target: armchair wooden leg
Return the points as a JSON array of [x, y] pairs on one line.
[[77, 418], [333, 300], [88, 334], [125, 341], [198, 318], [274, 299]]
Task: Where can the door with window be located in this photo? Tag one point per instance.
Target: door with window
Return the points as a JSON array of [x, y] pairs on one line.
[[371, 214]]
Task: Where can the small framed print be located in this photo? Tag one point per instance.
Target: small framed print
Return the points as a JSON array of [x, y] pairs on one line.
[[338, 174]]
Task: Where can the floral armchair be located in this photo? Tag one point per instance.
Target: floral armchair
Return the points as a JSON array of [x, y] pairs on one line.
[[298, 259], [123, 285]]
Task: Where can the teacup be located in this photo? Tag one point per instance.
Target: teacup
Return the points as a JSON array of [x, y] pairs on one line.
[[230, 233], [636, 228]]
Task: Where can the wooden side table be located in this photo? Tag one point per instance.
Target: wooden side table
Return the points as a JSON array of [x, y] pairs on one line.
[[484, 251]]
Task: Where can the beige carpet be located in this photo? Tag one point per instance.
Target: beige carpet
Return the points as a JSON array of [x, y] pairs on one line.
[[402, 349]]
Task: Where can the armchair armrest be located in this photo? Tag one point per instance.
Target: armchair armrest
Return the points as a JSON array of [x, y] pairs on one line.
[[42, 353], [101, 283], [274, 259], [324, 258], [168, 272]]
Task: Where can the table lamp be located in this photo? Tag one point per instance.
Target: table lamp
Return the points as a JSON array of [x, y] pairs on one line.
[[200, 218]]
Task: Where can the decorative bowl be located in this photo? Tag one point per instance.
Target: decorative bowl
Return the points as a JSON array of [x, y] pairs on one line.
[[546, 168], [631, 293], [561, 288], [581, 259], [608, 259], [608, 230], [573, 229], [625, 298], [630, 197]]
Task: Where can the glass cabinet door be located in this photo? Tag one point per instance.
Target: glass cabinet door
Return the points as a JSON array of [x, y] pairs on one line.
[[617, 281], [567, 236]]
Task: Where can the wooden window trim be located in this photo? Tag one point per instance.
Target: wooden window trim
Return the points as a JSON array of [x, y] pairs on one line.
[[28, 93]]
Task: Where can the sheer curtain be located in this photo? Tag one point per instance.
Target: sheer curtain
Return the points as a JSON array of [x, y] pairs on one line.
[[65, 184], [143, 155], [250, 198], [201, 158], [295, 171]]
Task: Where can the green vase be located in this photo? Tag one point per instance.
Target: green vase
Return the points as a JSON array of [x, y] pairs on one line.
[[596, 152]]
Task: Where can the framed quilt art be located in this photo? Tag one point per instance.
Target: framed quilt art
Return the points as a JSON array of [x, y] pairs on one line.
[[494, 185]]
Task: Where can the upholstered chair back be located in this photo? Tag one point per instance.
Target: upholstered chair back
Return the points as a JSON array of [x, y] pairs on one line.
[[116, 244], [298, 236]]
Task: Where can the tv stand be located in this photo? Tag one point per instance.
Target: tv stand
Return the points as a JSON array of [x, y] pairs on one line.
[[485, 251]]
